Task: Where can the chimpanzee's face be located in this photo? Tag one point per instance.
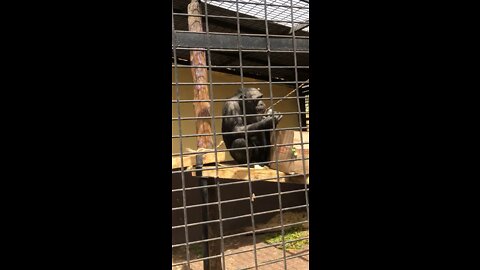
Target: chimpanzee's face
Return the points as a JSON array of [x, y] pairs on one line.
[[254, 105]]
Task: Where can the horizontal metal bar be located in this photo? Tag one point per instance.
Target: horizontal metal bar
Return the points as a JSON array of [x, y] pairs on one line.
[[288, 241], [272, 67], [236, 83], [239, 217], [190, 118], [236, 35], [196, 224], [218, 16], [262, 163], [179, 48], [231, 99], [230, 132], [234, 50], [268, 246], [227, 116], [196, 260], [275, 261], [225, 41], [257, 3], [233, 132], [242, 199], [179, 14], [196, 205], [261, 230], [235, 183], [240, 234], [258, 214], [239, 199], [243, 251], [239, 148], [263, 213], [282, 193], [266, 229], [240, 165]]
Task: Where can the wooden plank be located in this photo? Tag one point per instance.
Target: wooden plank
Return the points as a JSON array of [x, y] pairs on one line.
[[257, 174], [190, 160], [290, 152]]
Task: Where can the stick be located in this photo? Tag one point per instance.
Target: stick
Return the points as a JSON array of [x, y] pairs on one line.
[[287, 95]]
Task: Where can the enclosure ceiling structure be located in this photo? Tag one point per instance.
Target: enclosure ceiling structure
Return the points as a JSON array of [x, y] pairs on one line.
[[223, 30], [278, 9]]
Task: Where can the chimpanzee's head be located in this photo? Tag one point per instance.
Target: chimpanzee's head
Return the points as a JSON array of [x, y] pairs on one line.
[[252, 103]]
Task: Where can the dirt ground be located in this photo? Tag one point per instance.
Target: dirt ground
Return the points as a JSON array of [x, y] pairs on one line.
[[264, 252]]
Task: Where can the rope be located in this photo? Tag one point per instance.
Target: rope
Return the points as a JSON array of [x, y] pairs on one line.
[[287, 95]]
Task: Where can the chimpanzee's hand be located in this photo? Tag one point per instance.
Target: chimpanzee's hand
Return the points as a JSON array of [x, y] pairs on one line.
[[268, 113], [272, 116], [277, 117]]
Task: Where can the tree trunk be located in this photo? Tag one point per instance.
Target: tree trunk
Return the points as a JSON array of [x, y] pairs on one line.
[[200, 91], [202, 108]]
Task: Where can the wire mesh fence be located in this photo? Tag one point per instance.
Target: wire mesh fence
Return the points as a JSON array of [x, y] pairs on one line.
[[240, 140]]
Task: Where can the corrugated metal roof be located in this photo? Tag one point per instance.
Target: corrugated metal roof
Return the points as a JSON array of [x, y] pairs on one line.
[[281, 11]]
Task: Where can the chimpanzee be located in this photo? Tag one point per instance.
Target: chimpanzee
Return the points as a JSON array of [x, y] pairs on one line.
[[236, 123]]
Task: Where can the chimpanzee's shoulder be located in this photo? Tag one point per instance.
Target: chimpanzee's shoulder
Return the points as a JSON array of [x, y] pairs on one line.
[[231, 106]]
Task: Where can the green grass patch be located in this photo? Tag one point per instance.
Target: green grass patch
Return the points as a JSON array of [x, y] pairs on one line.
[[196, 250], [292, 233]]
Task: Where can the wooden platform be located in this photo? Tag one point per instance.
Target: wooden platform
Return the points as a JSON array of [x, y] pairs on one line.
[[235, 173], [189, 160], [256, 174]]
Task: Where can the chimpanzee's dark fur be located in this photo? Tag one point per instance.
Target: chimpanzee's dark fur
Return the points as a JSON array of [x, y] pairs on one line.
[[236, 123]]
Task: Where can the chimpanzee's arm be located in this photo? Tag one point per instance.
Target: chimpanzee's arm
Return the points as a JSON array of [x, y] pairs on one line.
[[266, 123], [236, 123]]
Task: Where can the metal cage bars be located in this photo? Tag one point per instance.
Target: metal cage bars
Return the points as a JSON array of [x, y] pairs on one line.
[[205, 44]]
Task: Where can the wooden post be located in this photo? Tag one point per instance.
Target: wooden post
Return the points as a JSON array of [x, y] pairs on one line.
[[200, 75], [202, 108], [214, 228]]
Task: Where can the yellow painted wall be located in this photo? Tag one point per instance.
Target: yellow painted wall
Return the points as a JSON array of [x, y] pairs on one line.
[[221, 91]]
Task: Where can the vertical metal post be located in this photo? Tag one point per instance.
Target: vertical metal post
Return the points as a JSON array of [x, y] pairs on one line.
[[204, 184], [213, 227], [184, 197]]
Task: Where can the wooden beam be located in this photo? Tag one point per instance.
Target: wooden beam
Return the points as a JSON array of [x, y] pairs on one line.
[[256, 174], [190, 160]]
